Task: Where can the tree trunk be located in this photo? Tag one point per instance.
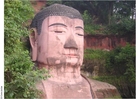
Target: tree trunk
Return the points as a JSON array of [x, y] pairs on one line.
[[110, 12]]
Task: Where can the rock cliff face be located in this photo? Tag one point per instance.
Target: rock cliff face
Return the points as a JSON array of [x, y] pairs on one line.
[[38, 5], [107, 42]]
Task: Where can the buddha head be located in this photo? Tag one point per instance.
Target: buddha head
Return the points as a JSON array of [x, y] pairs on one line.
[[57, 36], [57, 42]]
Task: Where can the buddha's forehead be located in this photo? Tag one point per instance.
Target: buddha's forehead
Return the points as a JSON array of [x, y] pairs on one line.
[[63, 20], [54, 10]]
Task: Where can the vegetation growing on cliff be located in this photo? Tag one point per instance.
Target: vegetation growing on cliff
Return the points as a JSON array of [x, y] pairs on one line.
[[19, 76], [116, 67]]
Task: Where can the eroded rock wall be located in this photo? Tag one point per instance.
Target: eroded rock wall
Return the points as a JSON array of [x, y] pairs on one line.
[[107, 42]]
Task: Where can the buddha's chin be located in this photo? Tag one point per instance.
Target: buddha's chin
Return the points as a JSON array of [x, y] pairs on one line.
[[72, 61]]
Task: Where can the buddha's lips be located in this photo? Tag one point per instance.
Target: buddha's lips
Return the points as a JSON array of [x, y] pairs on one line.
[[71, 55]]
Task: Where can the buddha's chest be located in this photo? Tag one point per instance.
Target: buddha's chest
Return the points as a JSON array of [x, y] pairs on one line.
[[67, 91]]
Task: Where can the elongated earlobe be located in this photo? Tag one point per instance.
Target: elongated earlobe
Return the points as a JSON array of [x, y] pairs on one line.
[[33, 42]]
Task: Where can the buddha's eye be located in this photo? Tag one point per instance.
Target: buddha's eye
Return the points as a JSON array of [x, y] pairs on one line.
[[59, 31], [79, 34]]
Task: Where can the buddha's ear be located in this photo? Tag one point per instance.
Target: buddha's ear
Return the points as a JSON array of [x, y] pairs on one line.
[[33, 41]]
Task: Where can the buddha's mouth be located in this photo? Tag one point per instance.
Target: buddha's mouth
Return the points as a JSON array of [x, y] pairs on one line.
[[71, 55]]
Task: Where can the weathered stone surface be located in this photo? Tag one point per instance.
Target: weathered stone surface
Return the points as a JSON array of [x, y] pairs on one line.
[[104, 90], [55, 90], [106, 42], [80, 90], [38, 5]]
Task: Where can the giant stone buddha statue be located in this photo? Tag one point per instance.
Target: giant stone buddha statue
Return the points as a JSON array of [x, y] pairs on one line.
[[57, 42]]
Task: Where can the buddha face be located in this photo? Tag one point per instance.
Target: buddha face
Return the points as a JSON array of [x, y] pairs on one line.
[[60, 41]]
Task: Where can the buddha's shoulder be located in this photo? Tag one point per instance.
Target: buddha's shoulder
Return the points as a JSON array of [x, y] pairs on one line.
[[103, 89], [100, 85]]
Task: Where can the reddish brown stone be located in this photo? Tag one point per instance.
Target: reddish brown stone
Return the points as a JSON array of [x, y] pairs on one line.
[[106, 42], [38, 4], [104, 90]]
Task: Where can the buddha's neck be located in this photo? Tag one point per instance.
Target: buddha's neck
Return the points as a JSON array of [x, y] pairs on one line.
[[64, 74]]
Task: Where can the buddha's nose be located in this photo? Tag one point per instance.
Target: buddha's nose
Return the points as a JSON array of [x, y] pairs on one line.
[[70, 43]]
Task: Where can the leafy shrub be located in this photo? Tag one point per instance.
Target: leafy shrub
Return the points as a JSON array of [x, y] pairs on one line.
[[116, 67], [121, 61], [19, 76], [87, 17], [24, 86], [89, 27], [94, 54], [94, 58], [125, 26], [125, 88]]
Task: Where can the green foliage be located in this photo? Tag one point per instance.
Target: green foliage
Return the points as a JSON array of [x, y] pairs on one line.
[[121, 61], [124, 8], [94, 58], [19, 76], [116, 67], [89, 27], [24, 86], [15, 14], [125, 88], [114, 80], [94, 54], [87, 17], [124, 26]]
